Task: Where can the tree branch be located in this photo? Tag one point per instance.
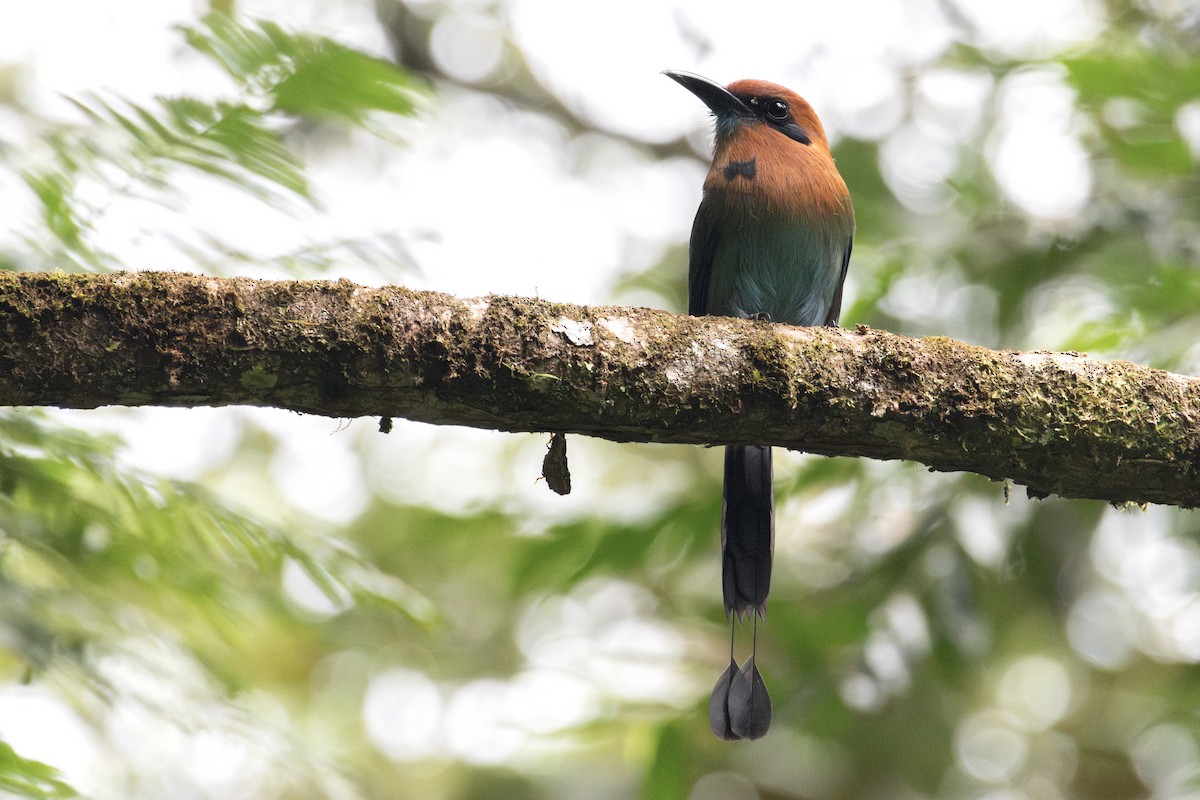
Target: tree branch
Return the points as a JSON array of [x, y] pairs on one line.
[[1058, 423]]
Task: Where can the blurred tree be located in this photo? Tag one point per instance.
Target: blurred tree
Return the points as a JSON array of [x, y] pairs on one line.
[[447, 638]]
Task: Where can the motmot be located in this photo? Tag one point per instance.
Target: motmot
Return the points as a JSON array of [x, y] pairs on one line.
[[771, 241]]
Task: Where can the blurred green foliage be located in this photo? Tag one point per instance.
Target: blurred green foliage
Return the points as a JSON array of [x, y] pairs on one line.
[[25, 778], [928, 636], [304, 75], [282, 80]]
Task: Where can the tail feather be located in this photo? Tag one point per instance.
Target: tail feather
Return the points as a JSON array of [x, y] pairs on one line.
[[747, 529]]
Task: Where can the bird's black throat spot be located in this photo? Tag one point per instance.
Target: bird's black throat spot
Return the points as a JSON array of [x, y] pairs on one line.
[[745, 169]]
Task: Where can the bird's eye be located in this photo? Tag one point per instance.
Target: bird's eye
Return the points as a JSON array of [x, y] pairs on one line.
[[777, 110]]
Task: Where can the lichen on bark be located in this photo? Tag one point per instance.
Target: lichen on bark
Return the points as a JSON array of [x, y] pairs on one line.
[[1058, 423]]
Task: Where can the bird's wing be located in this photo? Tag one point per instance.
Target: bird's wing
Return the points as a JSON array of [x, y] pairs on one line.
[[702, 249], [835, 308]]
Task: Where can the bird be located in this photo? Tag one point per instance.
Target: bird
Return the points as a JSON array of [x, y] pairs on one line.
[[771, 241]]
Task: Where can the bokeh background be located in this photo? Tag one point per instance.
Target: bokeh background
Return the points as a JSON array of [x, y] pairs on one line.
[[247, 603]]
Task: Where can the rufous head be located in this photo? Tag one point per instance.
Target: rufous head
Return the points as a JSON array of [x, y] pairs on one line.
[[754, 102]]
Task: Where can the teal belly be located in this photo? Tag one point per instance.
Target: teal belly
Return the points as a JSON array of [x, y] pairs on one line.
[[787, 272]]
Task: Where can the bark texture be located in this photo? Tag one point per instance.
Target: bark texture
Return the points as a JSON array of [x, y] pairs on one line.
[[1058, 423]]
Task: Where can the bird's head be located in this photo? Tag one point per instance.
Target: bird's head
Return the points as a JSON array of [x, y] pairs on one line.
[[752, 102]]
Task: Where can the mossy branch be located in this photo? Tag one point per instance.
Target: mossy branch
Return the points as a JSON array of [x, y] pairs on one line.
[[1059, 423]]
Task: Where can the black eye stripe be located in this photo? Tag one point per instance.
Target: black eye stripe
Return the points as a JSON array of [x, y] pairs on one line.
[[776, 113]]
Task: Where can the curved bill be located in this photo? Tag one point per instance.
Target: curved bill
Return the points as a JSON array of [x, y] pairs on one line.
[[718, 99]]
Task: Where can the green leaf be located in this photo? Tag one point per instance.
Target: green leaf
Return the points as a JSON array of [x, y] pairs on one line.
[[304, 74], [27, 778], [250, 55], [339, 82], [1159, 84], [1150, 153], [1163, 81], [52, 189], [229, 140], [242, 136]]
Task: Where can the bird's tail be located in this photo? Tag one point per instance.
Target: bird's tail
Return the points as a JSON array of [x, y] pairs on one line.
[[747, 529]]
